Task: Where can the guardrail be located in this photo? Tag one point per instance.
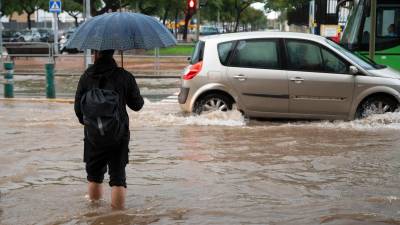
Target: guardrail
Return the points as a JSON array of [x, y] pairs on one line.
[[29, 49], [38, 58]]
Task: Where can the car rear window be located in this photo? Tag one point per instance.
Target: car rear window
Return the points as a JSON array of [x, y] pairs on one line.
[[198, 53], [224, 50]]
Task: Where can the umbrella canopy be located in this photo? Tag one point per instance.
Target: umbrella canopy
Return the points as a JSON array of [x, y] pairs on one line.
[[121, 31]]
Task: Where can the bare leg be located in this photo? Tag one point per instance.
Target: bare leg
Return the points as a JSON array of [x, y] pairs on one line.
[[95, 191], [118, 197]]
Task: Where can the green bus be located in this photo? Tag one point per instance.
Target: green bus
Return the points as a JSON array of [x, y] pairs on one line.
[[357, 31]]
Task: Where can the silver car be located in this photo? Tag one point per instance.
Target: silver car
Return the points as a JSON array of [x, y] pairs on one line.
[[286, 75]]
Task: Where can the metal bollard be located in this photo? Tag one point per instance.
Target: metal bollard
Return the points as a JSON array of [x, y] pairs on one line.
[[9, 80], [50, 89]]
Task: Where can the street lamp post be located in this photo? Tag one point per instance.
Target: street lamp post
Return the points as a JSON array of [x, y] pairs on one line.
[[1, 37], [88, 53], [198, 20], [55, 28]]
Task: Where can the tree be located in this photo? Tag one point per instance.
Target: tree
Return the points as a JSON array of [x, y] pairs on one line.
[[73, 9], [240, 6], [254, 18], [27, 6], [99, 7], [104, 6], [166, 5], [281, 5], [8, 7], [21, 6], [285, 7], [178, 12], [147, 7], [212, 10]]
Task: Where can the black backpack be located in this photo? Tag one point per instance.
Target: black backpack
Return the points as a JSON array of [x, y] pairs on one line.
[[102, 115]]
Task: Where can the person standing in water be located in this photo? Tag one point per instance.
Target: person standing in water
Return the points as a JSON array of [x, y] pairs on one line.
[[103, 92]]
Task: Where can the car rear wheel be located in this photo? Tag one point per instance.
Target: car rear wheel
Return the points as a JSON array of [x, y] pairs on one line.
[[376, 105], [212, 103]]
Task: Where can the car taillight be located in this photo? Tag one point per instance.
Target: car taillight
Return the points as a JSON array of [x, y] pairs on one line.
[[192, 71]]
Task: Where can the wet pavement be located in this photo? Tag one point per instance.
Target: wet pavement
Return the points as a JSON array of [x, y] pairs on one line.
[[212, 169]]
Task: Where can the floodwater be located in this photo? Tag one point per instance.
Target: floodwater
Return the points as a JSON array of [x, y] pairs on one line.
[[212, 169]]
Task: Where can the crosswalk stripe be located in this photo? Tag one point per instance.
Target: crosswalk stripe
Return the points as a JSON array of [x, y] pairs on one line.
[[170, 99]]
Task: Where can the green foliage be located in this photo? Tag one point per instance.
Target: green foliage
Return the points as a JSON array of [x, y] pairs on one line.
[[24, 6], [256, 18], [72, 6], [8, 7], [281, 5], [178, 50], [234, 11], [21, 6], [231, 11]]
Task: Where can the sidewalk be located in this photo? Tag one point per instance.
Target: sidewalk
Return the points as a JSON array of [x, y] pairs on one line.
[[39, 100]]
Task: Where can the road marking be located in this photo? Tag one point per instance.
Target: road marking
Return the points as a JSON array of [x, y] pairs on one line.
[[170, 99]]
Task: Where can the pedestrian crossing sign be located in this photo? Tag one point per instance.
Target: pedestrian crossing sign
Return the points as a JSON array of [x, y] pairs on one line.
[[55, 6]]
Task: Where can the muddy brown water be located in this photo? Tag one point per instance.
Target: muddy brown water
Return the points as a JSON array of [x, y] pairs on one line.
[[212, 169]]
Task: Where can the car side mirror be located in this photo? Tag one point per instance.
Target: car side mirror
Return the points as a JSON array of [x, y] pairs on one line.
[[354, 70], [189, 58]]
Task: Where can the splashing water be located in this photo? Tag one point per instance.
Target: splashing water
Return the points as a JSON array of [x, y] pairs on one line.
[[374, 122], [160, 114]]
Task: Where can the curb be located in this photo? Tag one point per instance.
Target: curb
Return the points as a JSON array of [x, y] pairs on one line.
[[38, 100], [78, 75]]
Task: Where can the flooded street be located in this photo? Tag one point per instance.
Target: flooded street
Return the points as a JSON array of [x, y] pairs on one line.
[[212, 169]]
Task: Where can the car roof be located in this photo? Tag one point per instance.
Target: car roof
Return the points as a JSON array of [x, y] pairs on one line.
[[261, 34]]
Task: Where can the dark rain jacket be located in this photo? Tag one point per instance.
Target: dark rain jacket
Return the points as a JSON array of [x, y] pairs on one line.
[[123, 82]]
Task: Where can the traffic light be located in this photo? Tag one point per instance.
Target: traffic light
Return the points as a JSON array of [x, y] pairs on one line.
[[191, 6]]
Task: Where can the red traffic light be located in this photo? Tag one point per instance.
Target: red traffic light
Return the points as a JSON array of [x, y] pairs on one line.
[[192, 4]]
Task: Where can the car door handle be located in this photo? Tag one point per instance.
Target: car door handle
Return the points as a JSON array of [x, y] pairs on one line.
[[240, 77], [297, 80]]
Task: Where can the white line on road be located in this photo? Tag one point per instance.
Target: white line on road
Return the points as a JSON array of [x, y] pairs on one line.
[[171, 99]]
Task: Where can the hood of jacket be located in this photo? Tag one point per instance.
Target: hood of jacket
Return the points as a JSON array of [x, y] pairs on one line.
[[102, 67]]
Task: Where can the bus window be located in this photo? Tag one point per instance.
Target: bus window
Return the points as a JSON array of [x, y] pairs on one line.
[[351, 32], [366, 31], [357, 32], [388, 22], [387, 30]]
